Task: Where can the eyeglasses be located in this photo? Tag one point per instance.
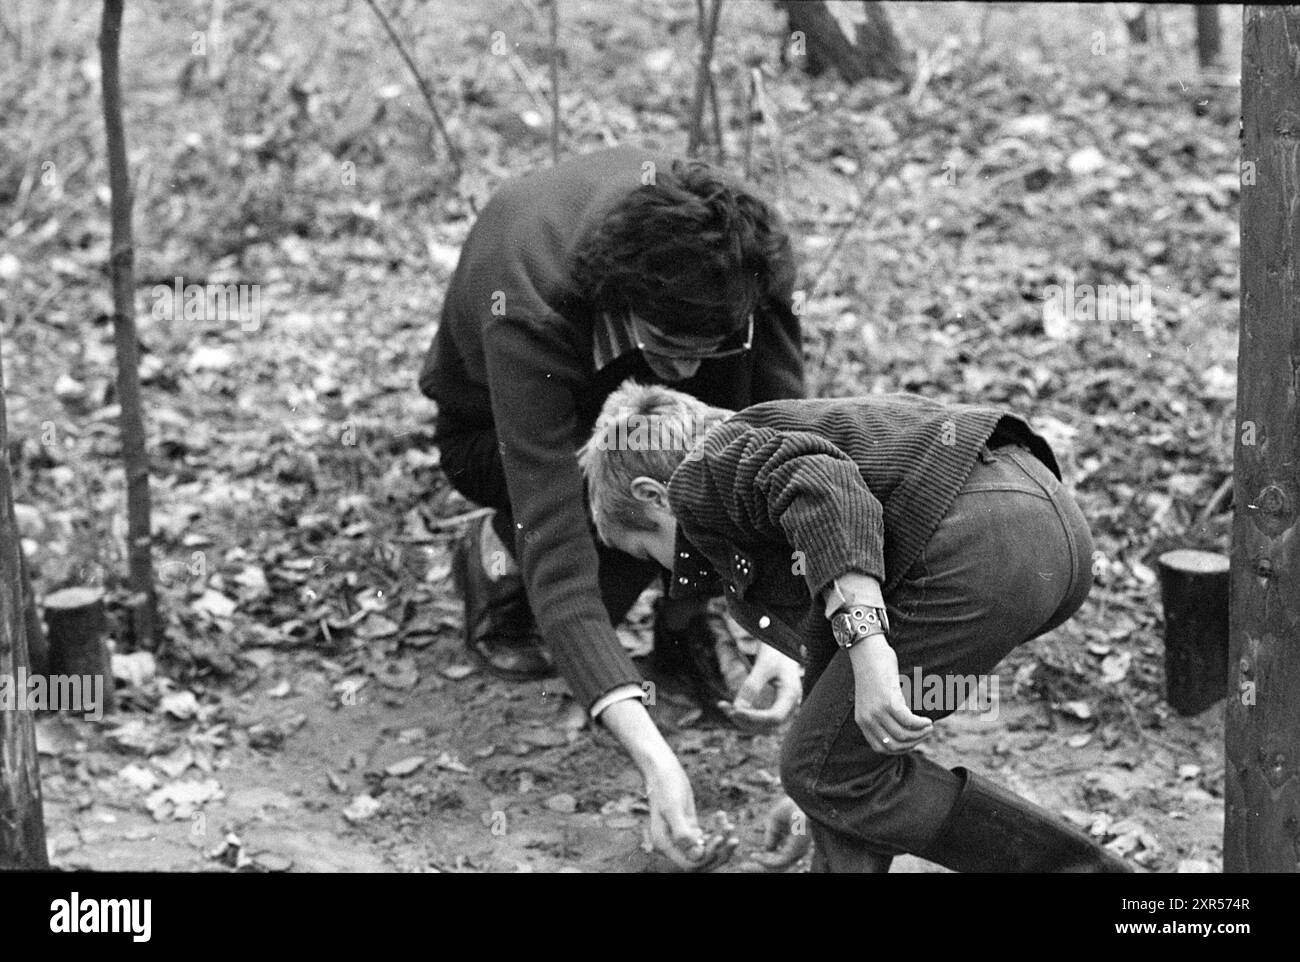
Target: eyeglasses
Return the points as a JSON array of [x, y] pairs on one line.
[[652, 341]]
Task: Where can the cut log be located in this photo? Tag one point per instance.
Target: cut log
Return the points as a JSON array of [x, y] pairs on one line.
[[1194, 592], [75, 618]]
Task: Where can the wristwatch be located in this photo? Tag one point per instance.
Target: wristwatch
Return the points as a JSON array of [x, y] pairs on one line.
[[851, 623]]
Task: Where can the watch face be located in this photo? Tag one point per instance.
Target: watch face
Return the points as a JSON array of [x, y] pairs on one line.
[[854, 623]]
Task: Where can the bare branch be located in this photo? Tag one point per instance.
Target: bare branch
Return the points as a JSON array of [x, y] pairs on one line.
[[708, 32], [121, 266], [453, 152]]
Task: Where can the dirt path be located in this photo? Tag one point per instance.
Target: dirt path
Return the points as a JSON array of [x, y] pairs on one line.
[[474, 775]]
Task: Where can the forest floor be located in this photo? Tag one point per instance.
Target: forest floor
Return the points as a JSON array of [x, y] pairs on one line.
[[312, 707]]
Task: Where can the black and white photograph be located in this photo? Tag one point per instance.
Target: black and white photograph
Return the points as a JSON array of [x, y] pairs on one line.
[[665, 437]]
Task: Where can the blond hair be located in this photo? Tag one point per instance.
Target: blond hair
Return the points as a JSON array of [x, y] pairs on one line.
[[643, 430]]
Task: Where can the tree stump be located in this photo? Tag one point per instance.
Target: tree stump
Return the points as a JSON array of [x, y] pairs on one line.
[[76, 623], [1194, 593]]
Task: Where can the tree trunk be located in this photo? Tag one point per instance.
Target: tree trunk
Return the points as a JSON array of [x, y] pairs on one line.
[[121, 263], [1262, 752], [1209, 36], [22, 824], [870, 49]]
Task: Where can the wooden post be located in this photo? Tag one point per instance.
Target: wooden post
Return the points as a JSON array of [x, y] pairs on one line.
[[22, 824], [1262, 752]]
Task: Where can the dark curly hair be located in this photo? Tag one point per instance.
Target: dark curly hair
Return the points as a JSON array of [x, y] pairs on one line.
[[693, 253]]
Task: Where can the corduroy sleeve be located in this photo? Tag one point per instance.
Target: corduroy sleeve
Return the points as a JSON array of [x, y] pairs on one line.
[[532, 378], [760, 484]]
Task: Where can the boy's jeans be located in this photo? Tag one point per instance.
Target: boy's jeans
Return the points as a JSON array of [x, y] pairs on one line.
[[1010, 561]]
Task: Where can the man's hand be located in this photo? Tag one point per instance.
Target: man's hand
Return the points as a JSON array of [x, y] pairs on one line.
[[785, 838], [770, 667], [674, 829], [879, 708]]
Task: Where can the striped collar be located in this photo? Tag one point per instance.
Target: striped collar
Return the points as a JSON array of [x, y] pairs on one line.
[[611, 339]]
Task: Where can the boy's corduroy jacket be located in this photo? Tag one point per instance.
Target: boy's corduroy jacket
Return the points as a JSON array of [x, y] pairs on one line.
[[783, 497]]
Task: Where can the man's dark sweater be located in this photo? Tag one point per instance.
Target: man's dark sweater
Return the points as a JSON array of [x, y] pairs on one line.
[[514, 355]]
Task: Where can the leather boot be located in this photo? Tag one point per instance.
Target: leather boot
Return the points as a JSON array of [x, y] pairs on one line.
[[688, 642], [499, 629], [992, 829]]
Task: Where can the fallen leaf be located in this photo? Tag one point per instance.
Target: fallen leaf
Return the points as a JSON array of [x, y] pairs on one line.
[[272, 862], [406, 766], [543, 738], [179, 704], [361, 808], [377, 626], [1114, 667], [139, 777], [1077, 709], [180, 800], [215, 604], [451, 763], [175, 764], [562, 803], [135, 668], [210, 358], [457, 671], [399, 674]]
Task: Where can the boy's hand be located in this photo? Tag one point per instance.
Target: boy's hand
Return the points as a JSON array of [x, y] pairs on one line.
[[785, 838], [770, 667], [879, 708]]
